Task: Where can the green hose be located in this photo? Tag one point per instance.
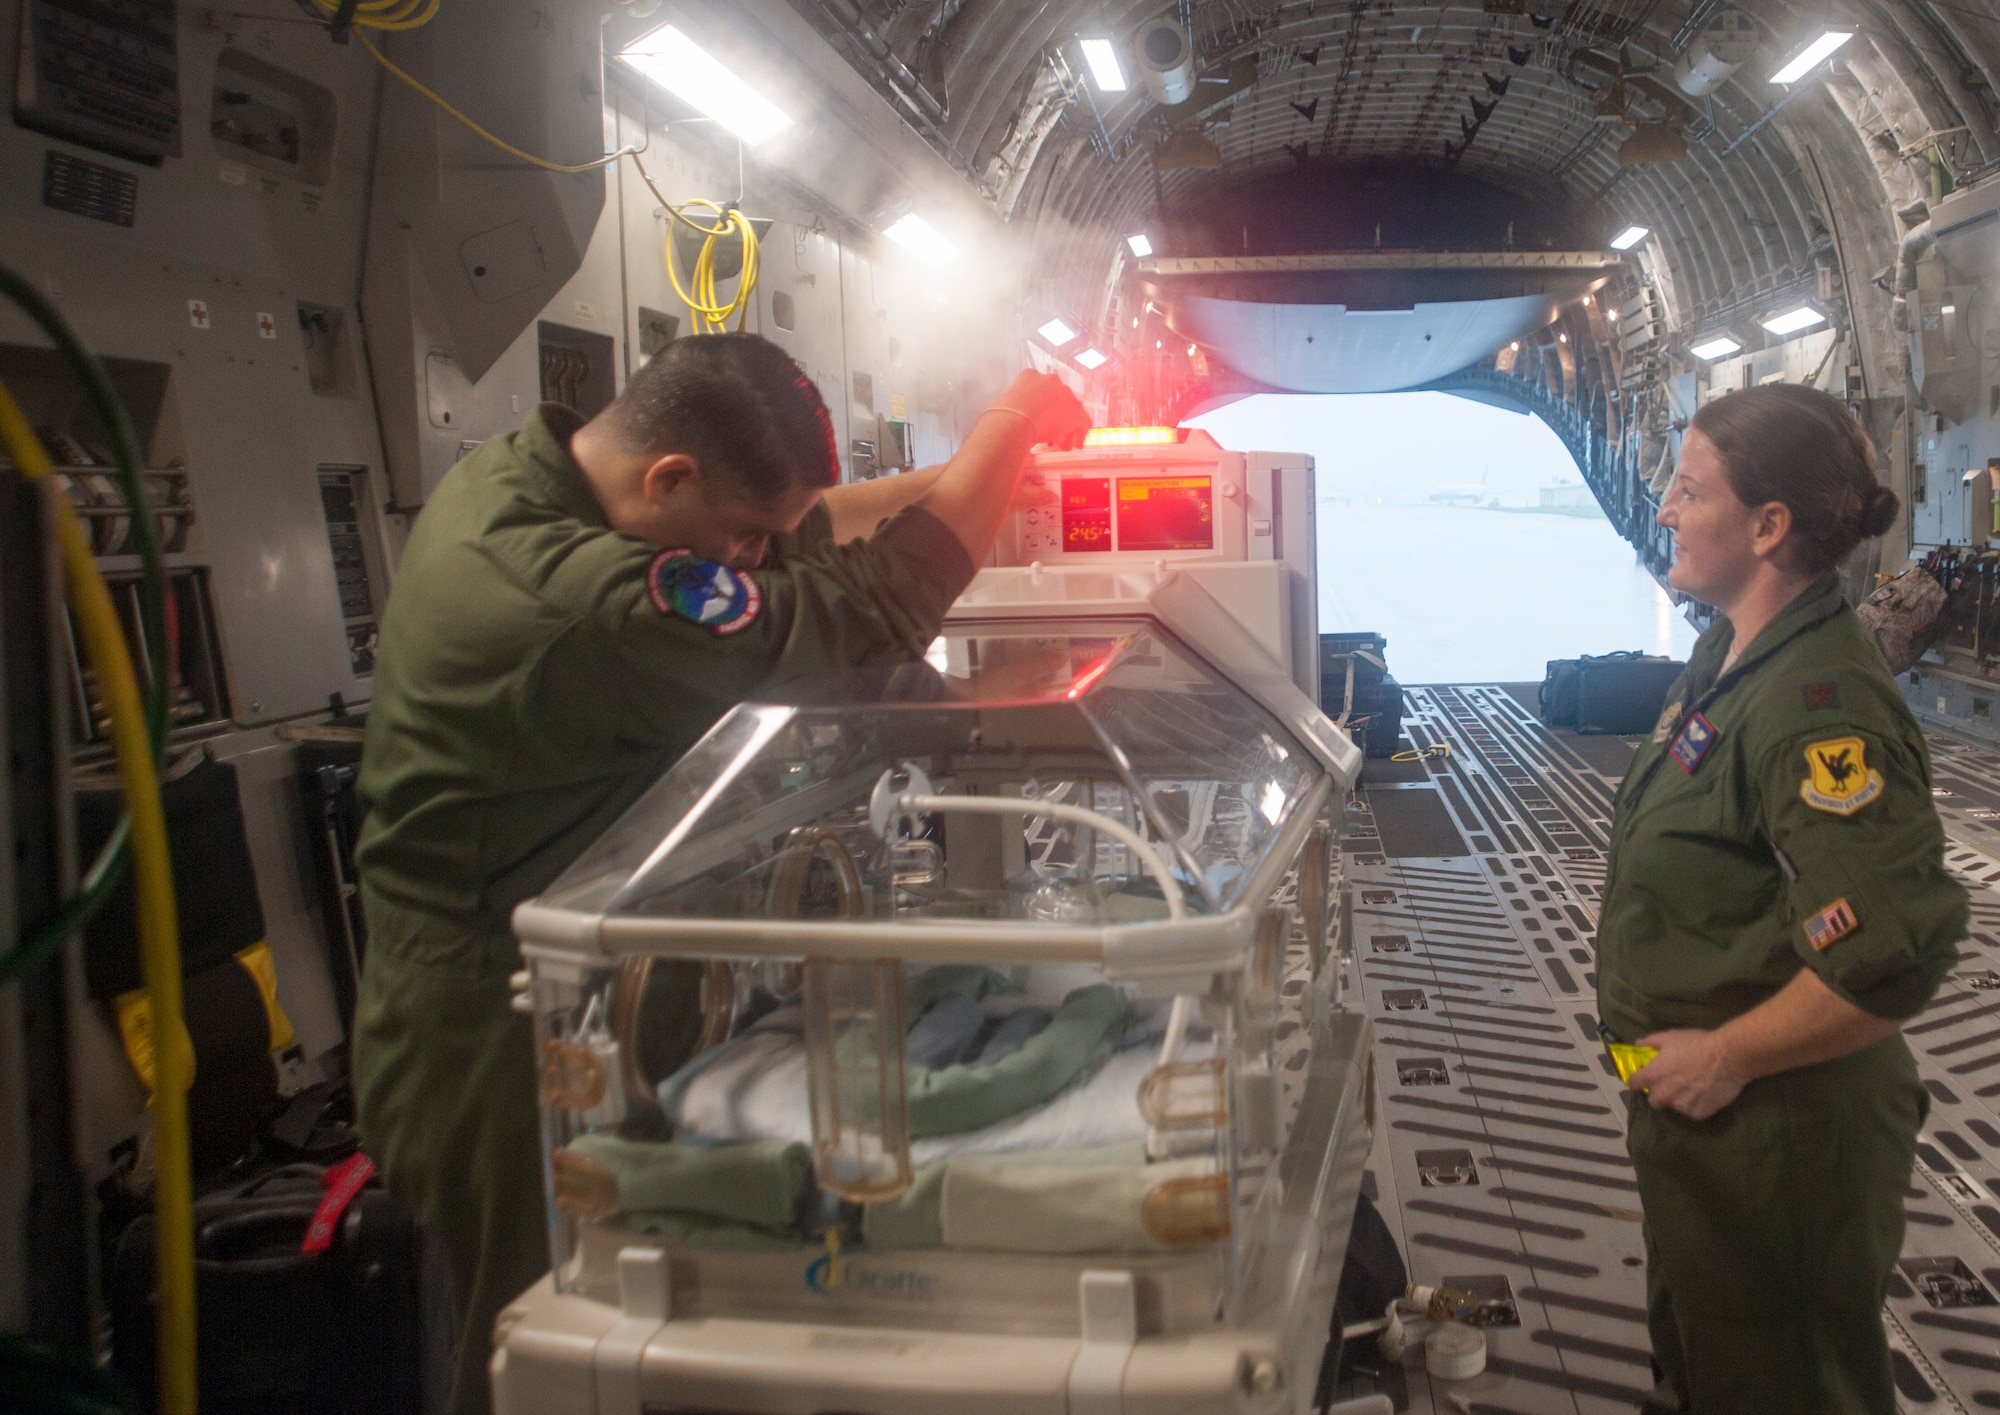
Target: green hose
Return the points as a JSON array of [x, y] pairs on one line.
[[109, 867]]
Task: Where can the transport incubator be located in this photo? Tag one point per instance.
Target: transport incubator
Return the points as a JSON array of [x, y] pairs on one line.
[[971, 1035]]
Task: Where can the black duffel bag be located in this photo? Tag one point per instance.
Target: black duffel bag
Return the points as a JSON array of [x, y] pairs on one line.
[[1616, 693]]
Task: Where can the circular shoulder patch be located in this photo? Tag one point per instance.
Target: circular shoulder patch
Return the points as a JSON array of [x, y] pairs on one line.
[[704, 592]]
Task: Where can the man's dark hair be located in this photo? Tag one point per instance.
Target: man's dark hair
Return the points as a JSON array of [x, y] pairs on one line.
[[737, 404]]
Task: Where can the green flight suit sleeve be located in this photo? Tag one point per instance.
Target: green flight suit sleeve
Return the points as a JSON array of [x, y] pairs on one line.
[[1873, 910], [818, 608]]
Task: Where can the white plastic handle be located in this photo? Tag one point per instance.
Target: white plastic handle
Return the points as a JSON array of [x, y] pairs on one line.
[[913, 803]]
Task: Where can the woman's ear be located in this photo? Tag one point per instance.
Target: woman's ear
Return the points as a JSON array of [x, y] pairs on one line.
[[1769, 525]]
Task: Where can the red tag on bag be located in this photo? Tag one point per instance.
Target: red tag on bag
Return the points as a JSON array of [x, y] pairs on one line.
[[342, 1182]]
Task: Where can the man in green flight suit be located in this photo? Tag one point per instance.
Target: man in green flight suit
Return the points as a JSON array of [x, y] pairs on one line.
[[1775, 905], [578, 603]]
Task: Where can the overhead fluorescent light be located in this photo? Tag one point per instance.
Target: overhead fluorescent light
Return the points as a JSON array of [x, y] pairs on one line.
[[1716, 348], [1090, 358], [1141, 247], [1792, 321], [1630, 237], [696, 77], [1103, 61], [1809, 57], [1057, 333], [921, 239]]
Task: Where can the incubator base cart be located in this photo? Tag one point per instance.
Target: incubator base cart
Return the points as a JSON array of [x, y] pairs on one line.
[[971, 1036]]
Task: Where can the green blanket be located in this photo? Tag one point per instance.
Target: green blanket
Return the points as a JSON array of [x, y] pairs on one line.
[[954, 1099], [761, 1184]]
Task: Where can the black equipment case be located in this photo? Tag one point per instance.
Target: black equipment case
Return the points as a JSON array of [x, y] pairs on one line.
[[1617, 693], [1373, 709], [337, 1332]]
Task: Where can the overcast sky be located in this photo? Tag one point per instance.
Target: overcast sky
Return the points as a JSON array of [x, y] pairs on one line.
[[1464, 596], [1398, 447]]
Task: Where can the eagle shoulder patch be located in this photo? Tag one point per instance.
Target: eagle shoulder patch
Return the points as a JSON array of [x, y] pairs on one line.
[[1839, 780], [705, 592], [1670, 718]]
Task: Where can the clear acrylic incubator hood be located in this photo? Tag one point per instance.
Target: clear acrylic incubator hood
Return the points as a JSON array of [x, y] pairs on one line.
[[989, 1000]]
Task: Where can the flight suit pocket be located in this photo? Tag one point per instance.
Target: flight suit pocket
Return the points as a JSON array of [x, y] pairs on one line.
[[1721, 1198]]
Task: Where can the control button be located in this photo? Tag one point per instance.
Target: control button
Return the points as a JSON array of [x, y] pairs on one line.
[[1260, 528], [1230, 491]]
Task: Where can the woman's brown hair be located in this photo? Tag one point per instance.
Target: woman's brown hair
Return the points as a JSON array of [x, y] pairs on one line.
[[1781, 442]]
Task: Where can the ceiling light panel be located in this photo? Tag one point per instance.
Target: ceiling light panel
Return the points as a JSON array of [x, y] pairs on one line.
[[703, 82], [921, 239], [1057, 333], [1103, 61], [1090, 358], [1792, 321], [1630, 237], [1809, 58], [1716, 348]]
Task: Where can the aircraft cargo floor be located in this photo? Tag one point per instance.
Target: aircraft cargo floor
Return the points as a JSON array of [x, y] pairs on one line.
[[1471, 888]]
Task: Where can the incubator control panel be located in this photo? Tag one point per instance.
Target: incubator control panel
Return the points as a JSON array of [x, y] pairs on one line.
[[1164, 499], [1145, 493]]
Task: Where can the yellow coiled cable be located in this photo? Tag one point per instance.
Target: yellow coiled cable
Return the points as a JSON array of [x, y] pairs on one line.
[[385, 14], [159, 930], [709, 314], [710, 317]]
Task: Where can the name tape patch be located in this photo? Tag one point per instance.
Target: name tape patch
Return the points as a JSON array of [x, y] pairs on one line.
[[1839, 781], [1830, 925], [1690, 748], [704, 592]]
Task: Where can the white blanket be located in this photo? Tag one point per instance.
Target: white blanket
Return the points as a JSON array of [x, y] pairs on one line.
[[756, 1090]]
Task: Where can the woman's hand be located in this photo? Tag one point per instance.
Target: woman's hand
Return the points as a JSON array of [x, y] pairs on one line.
[[1693, 1074]]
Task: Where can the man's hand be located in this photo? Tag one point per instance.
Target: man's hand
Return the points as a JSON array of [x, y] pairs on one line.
[[1047, 405], [1693, 1074]]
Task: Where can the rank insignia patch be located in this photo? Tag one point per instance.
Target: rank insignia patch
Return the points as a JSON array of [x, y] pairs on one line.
[[1841, 782], [1822, 695], [1697, 735], [1831, 924], [704, 592], [1670, 718]]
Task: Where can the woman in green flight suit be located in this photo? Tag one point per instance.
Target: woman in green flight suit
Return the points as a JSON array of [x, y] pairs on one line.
[[1777, 905]]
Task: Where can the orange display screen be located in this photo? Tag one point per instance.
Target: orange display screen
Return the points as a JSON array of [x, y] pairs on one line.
[[1086, 513], [1166, 513]]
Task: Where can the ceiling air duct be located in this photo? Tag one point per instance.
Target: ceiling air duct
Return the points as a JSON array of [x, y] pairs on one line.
[[1724, 44], [1652, 142], [1166, 62]]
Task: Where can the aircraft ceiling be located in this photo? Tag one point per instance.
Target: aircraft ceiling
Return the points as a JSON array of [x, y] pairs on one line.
[[1773, 180]]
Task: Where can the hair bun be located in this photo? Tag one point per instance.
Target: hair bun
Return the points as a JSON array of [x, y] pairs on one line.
[[1878, 512]]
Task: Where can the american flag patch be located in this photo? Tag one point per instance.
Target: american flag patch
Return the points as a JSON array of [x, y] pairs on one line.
[[1831, 924]]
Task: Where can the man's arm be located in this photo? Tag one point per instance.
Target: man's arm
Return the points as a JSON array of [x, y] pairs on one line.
[[858, 508], [973, 491], [1698, 1073]]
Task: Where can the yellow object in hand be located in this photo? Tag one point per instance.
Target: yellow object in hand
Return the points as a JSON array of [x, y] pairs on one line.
[[1628, 1057]]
